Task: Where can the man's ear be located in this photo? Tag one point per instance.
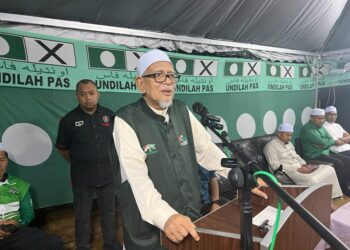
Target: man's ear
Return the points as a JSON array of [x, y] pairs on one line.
[[140, 84]]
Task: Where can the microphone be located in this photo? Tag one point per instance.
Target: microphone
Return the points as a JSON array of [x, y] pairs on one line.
[[218, 126], [203, 111], [225, 135]]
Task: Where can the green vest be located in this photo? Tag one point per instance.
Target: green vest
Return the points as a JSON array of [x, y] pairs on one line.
[[11, 193], [171, 162]]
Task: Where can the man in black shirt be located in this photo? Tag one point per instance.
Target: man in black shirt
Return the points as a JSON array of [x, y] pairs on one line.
[[84, 138]]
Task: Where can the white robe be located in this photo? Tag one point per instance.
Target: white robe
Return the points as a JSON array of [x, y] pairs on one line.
[[337, 132], [278, 153]]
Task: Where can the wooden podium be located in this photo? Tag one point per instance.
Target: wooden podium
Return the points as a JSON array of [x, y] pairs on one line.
[[220, 230]]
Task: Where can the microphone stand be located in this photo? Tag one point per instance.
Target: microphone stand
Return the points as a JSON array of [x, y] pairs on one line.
[[246, 205], [246, 212]]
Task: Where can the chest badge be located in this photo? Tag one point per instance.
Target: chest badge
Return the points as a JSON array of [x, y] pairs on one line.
[[182, 139], [12, 191], [79, 123], [105, 120], [150, 149]]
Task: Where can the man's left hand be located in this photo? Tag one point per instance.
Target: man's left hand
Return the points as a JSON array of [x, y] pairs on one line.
[[214, 206], [257, 190]]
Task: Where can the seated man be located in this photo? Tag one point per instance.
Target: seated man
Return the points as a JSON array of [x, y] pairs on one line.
[[280, 152], [336, 131], [209, 188], [316, 143], [16, 211]]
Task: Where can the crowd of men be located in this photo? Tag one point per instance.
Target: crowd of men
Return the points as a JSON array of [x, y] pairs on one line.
[[155, 150]]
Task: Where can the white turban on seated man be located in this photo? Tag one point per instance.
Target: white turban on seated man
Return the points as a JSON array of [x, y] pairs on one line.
[[336, 131], [280, 152]]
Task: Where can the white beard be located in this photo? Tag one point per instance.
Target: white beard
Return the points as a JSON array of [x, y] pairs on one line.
[[165, 105]]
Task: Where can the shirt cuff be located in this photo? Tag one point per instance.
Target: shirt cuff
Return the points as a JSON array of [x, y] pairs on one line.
[[162, 215]]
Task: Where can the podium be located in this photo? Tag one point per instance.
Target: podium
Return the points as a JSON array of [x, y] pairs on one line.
[[220, 230]]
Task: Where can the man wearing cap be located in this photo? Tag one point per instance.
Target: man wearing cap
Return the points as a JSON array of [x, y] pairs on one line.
[[316, 143], [16, 211], [280, 152], [160, 144], [336, 131], [85, 140]]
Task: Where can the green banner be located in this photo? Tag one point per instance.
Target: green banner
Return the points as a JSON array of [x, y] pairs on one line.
[[38, 61], [30, 120], [37, 83]]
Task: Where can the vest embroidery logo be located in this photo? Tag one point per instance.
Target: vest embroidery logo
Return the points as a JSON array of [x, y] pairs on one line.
[[182, 139], [13, 191], [150, 149], [105, 120]]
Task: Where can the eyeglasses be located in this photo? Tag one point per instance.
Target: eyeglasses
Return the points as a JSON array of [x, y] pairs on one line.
[[161, 77]]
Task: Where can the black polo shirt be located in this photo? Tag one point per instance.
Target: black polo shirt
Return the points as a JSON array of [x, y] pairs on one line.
[[88, 139]]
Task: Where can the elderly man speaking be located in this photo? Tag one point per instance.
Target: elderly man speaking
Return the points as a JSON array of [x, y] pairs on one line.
[[160, 144]]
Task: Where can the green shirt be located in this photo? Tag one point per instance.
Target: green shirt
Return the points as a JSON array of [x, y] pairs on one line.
[[315, 140], [15, 201]]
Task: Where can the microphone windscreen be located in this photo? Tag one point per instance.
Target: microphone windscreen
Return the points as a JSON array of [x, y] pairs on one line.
[[197, 107], [235, 177]]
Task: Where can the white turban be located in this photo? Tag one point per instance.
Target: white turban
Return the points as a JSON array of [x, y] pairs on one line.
[[285, 127], [2, 147], [330, 109], [317, 111], [150, 57]]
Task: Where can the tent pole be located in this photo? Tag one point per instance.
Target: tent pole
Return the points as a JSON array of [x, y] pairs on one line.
[[316, 83]]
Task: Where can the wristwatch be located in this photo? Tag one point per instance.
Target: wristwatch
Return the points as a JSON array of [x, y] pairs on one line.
[[215, 202]]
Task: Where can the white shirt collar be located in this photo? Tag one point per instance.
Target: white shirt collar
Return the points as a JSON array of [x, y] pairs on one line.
[[163, 112], [4, 182]]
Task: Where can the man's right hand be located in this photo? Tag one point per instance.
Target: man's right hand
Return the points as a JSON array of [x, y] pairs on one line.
[[178, 227], [306, 169], [3, 234], [339, 142]]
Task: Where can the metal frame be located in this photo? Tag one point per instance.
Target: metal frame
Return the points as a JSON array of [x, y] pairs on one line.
[[15, 18]]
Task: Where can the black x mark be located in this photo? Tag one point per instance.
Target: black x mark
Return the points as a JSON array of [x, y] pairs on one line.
[[320, 72], [288, 69], [206, 67], [252, 68], [51, 52], [137, 56]]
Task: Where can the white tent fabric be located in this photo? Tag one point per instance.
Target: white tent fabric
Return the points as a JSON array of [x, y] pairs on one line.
[[206, 25], [170, 45]]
